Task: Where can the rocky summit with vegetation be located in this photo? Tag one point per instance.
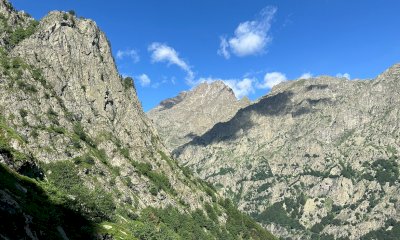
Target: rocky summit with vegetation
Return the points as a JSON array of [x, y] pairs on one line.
[[78, 157], [314, 159]]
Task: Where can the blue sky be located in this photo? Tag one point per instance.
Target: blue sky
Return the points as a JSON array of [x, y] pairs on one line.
[[170, 46]]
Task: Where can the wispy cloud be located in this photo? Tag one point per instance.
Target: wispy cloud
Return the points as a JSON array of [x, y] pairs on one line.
[[144, 80], [272, 79], [164, 53], [241, 87], [306, 75], [129, 53], [343, 75], [224, 48], [250, 37]]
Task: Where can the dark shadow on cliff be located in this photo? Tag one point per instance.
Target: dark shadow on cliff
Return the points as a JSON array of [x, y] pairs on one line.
[[26, 210], [271, 105], [275, 105]]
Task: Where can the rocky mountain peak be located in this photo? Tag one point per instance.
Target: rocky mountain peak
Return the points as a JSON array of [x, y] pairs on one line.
[[67, 116], [213, 88], [392, 73], [311, 152], [195, 111], [13, 25]]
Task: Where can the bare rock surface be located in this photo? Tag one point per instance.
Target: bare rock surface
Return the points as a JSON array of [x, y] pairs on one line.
[[190, 114]]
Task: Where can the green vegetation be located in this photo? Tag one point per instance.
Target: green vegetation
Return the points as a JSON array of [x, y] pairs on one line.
[[79, 131], [47, 214], [386, 171], [29, 88], [127, 82], [295, 206], [23, 113], [96, 204], [15, 36], [317, 228], [391, 231], [382, 171], [169, 223], [65, 16], [262, 173], [6, 135], [159, 180], [348, 171], [277, 214]]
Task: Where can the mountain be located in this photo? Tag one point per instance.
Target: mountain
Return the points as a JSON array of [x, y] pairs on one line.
[[79, 159], [191, 114], [313, 159]]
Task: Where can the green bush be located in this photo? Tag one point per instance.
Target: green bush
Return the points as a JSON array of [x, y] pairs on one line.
[[210, 212], [277, 214], [128, 82], [29, 88], [23, 113], [386, 171], [46, 214], [21, 33], [96, 204], [159, 180], [79, 131], [383, 233]]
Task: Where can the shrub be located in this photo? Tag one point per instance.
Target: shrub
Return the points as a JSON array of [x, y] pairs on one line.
[[79, 131], [386, 171], [97, 204], [210, 212], [159, 180], [57, 129], [128, 82], [21, 33], [26, 86], [277, 214], [23, 113]]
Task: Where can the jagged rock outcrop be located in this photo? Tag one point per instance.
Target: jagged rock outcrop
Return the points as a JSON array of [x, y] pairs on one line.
[[190, 114], [313, 159], [13, 24], [70, 121]]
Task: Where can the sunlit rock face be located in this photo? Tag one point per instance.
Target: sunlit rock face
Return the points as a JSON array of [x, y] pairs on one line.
[[191, 114]]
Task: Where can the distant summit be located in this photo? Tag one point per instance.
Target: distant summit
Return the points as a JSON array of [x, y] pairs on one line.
[[192, 113]]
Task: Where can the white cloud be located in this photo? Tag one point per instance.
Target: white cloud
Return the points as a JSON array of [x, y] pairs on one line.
[[251, 37], [164, 53], [241, 87], [344, 75], [133, 54], [306, 76], [271, 79], [223, 48], [144, 80]]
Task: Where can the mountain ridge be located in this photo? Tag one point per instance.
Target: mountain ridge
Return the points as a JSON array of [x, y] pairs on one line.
[[306, 143], [191, 112], [78, 156]]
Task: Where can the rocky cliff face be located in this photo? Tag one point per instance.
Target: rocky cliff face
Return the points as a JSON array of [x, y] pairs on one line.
[[70, 121], [180, 119], [314, 159]]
